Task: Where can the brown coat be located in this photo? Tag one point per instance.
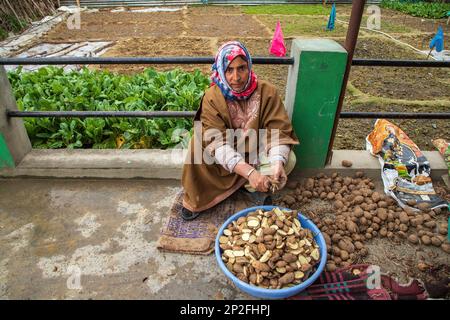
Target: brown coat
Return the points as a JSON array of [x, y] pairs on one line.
[[206, 185]]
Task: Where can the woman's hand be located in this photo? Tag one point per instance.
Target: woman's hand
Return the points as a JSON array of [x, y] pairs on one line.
[[259, 182], [279, 174]]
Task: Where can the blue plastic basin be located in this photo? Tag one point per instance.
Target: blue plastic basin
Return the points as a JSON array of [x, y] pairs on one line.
[[273, 293]]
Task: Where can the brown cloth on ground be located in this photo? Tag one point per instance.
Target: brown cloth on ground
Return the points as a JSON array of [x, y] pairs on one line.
[[208, 184], [198, 236]]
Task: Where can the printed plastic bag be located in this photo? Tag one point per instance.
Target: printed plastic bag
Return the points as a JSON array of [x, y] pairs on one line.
[[404, 169]]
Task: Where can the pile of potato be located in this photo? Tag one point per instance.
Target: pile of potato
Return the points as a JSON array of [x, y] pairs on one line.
[[360, 214], [269, 249]]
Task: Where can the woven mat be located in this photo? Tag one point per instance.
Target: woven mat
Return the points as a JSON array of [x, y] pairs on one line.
[[197, 236], [347, 284]]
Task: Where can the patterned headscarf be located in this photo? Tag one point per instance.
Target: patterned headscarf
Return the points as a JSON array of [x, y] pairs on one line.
[[225, 55]]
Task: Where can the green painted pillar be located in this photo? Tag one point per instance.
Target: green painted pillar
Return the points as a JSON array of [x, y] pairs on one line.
[[6, 159], [14, 141], [312, 96]]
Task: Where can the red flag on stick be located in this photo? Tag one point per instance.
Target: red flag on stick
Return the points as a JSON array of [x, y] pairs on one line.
[[277, 46]]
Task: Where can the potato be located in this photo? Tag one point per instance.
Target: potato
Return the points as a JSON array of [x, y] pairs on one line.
[[363, 221], [337, 260], [358, 199], [352, 227], [347, 181], [390, 217], [344, 255], [411, 202], [435, 241], [425, 240], [421, 233], [430, 224], [423, 206], [358, 245], [416, 221], [383, 232], [382, 214], [391, 226], [307, 194], [382, 204], [358, 212], [443, 228], [346, 245], [413, 239], [410, 211], [289, 200], [403, 227], [404, 217], [376, 197], [346, 163], [336, 237], [309, 184]]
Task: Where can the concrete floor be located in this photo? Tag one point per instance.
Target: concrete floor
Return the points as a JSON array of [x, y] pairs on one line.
[[96, 239]]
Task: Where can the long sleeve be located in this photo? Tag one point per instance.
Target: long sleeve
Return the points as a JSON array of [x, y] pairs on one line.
[[227, 157], [280, 152]]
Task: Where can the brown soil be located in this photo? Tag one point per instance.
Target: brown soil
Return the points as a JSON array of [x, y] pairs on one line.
[[236, 26], [158, 47], [351, 133], [119, 25], [421, 41]]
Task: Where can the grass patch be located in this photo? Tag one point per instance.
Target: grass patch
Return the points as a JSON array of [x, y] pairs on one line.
[[303, 9]]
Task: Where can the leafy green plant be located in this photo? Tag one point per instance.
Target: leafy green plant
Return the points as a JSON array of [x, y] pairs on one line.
[[433, 10], [52, 89]]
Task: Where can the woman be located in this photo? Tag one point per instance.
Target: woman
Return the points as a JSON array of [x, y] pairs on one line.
[[239, 103]]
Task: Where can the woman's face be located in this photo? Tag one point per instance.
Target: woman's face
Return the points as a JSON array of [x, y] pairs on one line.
[[237, 74]]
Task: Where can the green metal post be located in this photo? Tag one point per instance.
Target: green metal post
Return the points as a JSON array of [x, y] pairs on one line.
[[312, 96]]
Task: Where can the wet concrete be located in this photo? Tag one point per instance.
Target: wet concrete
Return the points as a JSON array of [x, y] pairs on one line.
[[96, 239]]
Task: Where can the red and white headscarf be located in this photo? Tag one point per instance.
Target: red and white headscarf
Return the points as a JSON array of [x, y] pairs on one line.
[[225, 55]]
